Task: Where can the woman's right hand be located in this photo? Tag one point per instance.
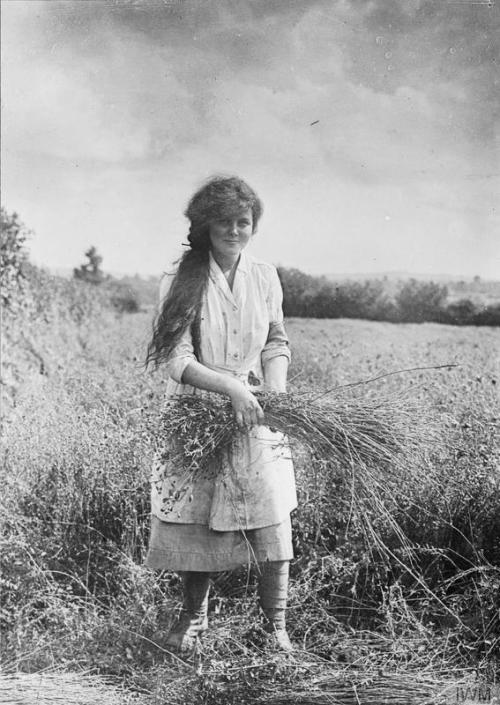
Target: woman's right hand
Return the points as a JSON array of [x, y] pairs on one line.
[[247, 410]]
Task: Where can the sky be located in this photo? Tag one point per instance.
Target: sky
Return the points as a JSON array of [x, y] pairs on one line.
[[369, 128]]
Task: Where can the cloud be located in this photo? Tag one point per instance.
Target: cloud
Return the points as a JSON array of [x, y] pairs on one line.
[[113, 111]]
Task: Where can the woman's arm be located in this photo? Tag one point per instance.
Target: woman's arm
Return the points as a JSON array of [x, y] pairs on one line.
[[275, 372], [275, 356], [247, 410]]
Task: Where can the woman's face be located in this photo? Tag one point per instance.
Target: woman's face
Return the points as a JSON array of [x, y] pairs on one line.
[[228, 236]]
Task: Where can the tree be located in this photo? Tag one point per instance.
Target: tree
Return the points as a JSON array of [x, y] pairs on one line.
[[91, 271], [461, 313], [321, 304], [299, 290], [13, 256], [421, 301]]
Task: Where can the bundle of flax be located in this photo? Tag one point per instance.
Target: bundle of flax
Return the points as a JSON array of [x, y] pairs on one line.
[[345, 429], [357, 437]]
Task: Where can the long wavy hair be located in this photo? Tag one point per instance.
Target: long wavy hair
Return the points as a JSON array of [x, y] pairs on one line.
[[220, 197]]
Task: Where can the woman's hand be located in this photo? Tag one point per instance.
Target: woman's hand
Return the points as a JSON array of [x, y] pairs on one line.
[[246, 408]]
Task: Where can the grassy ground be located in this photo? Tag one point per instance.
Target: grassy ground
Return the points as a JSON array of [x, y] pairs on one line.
[[79, 420]]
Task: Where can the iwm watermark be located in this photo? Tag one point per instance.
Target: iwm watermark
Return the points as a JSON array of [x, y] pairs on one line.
[[474, 694]]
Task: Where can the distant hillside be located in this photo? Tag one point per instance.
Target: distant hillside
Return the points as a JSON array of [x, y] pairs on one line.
[[400, 275], [480, 291]]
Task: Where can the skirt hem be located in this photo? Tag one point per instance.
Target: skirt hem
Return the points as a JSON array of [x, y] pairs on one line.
[[186, 547]]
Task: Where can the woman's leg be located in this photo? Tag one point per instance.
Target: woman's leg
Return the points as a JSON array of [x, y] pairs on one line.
[[273, 592], [193, 620]]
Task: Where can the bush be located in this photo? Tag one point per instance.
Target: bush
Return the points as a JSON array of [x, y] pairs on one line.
[[367, 300], [421, 301], [48, 296], [461, 313], [122, 296], [299, 290], [466, 313], [316, 297], [321, 303], [415, 301], [13, 256], [488, 316]]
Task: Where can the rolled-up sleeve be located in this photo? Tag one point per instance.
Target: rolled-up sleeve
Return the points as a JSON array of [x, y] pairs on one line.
[[277, 340], [180, 357], [183, 353]]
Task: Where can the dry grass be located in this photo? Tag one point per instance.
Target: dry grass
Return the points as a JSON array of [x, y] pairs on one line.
[[245, 673], [74, 473], [51, 688]]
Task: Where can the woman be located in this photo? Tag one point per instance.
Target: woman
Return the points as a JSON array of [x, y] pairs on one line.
[[220, 329]]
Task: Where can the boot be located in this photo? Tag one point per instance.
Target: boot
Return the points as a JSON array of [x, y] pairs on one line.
[[273, 590], [193, 620], [276, 628]]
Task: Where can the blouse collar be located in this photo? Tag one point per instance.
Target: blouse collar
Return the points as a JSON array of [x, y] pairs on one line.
[[220, 280], [243, 265]]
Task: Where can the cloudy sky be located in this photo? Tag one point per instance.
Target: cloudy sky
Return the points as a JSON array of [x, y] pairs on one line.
[[370, 128]]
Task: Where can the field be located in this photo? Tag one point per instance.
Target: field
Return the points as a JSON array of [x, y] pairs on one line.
[[78, 438]]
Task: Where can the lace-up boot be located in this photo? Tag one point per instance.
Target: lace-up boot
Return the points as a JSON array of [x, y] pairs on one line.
[[193, 620], [273, 590]]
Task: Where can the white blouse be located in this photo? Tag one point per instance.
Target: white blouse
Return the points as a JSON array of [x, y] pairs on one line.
[[240, 330]]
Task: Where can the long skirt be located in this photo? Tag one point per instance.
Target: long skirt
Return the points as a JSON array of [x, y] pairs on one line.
[[195, 547]]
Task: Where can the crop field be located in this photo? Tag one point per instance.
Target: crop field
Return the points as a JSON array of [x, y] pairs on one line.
[[409, 624]]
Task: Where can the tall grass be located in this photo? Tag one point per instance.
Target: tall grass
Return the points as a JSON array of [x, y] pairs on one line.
[[78, 437]]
